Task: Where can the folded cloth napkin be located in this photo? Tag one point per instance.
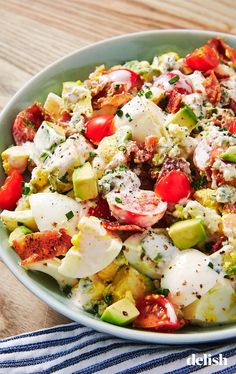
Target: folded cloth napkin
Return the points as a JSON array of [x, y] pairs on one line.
[[74, 348]]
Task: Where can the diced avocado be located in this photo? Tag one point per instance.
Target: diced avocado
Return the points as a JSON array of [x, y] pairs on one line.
[[84, 182], [186, 234], [230, 154], [13, 219], [121, 313], [19, 232], [129, 279], [185, 117]]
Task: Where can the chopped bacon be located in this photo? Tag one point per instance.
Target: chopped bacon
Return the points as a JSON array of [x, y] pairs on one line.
[[218, 244], [114, 101], [100, 209], [232, 105], [116, 226], [212, 87], [226, 53], [230, 208], [175, 164], [27, 123], [140, 153], [174, 101], [42, 245], [65, 116]]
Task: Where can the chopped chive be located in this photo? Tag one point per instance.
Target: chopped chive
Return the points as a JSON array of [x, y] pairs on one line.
[[162, 291], [119, 112], [122, 148], [69, 215], [141, 92], [44, 155], [118, 200], [148, 94], [92, 154], [64, 179], [127, 115], [174, 79], [25, 189], [117, 86], [123, 168], [211, 265]]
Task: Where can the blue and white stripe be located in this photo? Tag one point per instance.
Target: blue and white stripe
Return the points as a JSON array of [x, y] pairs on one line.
[[74, 348]]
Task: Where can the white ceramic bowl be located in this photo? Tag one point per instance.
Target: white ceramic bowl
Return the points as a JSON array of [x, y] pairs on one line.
[[78, 65]]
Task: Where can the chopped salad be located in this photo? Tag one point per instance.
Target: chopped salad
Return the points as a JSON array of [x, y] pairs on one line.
[[123, 189]]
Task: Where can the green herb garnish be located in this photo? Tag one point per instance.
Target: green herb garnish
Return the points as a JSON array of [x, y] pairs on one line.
[[64, 179], [69, 215], [197, 184], [108, 298], [119, 112], [148, 94], [127, 115], [141, 92], [92, 154], [174, 79], [25, 189], [162, 291], [118, 200], [211, 265]]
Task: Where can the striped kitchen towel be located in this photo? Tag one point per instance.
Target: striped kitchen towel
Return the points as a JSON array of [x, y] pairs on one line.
[[74, 348]]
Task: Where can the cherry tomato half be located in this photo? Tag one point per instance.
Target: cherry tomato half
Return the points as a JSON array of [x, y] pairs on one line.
[[126, 76], [100, 126], [173, 187], [204, 58], [142, 208], [11, 191], [157, 313]]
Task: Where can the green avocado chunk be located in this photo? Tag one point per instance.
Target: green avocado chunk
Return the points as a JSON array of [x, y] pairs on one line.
[[121, 313], [185, 117], [186, 234], [84, 182], [230, 154]]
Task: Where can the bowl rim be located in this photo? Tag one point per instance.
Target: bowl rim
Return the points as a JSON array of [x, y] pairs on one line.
[[127, 333]]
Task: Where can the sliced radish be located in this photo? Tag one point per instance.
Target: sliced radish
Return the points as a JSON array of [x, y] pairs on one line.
[[140, 207]]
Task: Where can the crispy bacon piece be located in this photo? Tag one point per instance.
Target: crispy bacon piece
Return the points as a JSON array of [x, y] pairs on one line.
[[65, 116], [114, 101], [226, 53], [174, 102], [218, 244], [27, 123], [42, 245], [230, 208], [232, 105], [175, 164], [116, 226], [140, 153], [212, 87]]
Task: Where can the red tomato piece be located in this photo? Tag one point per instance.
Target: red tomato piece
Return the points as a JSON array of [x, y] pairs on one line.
[[157, 313], [174, 80], [101, 209], [204, 58], [173, 187], [125, 76], [27, 123], [11, 191], [142, 208], [100, 126], [232, 127]]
